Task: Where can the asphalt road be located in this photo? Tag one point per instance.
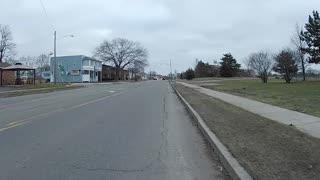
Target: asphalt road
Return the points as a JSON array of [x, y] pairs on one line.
[[121, 131]]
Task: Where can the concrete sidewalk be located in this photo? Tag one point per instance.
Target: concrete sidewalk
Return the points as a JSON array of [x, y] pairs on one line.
[[304, 122]]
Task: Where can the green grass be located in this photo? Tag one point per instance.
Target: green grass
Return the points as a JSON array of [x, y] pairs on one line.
[[299, 96]]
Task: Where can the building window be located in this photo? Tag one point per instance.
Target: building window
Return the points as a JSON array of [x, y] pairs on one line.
[[86, 63], [85, 72], [75, 73]]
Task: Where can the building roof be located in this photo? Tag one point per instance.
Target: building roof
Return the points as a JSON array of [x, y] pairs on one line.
[[81, 56], [18, 67], [91, 58], [105, 65], [4, 64]]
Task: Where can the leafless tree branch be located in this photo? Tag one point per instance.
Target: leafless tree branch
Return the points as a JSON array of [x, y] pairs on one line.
[[7, 46], [261, 63], [122, 53], [299, 44]]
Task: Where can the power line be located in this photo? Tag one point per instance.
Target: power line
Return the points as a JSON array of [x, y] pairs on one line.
[[45, 12]]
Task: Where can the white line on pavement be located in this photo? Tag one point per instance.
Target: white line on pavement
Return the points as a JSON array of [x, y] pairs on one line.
[[30, 119]]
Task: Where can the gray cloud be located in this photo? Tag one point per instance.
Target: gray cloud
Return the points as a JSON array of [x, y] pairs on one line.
[[180, 30]]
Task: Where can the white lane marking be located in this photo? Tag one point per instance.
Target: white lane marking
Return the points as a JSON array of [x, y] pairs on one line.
[[34, 117], [13, 126], [30, 119], [112, 91], [41, 98], [5, 107]]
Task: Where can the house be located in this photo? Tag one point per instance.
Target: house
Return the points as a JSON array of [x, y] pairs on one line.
[[9, 77], [79, 68], [109, 73]]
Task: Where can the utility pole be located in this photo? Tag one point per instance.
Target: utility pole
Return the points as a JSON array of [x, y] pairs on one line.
[[150, 74], [171, 70], [55, 56]]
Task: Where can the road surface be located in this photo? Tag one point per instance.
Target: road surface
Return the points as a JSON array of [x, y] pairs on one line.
[[121, 131]]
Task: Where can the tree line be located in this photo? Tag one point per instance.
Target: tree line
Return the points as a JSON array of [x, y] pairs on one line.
[[304, 50], [119, 52]]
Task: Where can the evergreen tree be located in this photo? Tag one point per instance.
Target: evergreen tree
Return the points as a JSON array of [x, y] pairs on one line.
[[200, 70], [189, 74], [229, 66], [203, 70], [312, 37]]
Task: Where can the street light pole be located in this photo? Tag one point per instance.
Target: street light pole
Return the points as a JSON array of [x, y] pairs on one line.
[[55, 56]]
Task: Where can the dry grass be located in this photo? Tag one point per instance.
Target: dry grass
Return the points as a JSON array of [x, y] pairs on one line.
[[266, 149], [298, 96]]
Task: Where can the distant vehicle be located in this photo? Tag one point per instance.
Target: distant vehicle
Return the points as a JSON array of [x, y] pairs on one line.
[[46, 76], [154, 79], [163, 78]]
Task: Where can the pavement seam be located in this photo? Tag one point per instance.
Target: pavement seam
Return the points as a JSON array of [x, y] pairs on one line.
[[235, 170]]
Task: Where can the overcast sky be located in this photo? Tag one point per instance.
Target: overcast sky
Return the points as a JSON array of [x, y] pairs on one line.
[[181, 30]]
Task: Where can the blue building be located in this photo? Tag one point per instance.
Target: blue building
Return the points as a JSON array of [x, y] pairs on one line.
[[71, 69]]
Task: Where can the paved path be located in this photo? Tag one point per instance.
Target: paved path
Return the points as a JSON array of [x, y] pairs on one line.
[[304, 122], [120, 131]]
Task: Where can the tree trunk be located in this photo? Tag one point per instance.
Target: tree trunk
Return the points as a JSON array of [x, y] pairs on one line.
[[264, 79], [287, 78], [117, 73], [303, 70]]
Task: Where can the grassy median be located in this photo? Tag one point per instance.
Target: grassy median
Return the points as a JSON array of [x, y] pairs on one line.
[[266, 149], [298, 96]]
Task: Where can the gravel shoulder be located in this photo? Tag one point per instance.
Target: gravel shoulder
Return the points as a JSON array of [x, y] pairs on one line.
[[266, 149]]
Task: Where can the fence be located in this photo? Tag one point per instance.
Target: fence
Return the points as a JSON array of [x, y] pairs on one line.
[[311, 74]]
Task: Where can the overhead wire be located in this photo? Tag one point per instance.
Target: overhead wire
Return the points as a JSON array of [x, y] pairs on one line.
[[46, 14]]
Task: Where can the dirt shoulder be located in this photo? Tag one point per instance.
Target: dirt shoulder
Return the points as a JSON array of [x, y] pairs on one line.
[[266, 149]]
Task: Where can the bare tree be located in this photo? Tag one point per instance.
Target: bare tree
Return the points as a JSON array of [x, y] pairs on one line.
[[247, 65], [261, 63], [7, 47], [11, 60], [121, 53], [28, 60], [299, 44], [137, 67], [42, 62]]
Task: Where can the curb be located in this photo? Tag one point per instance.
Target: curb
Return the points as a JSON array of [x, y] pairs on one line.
[[235, 170]]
